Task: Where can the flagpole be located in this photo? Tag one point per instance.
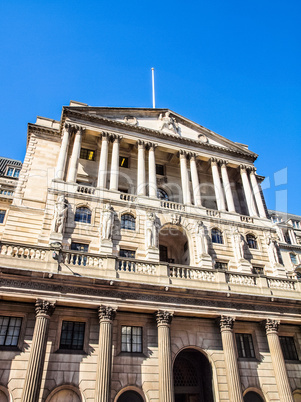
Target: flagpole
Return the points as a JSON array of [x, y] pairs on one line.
[[153, 86]]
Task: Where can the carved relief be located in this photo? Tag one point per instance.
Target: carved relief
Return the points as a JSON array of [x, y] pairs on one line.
[[226, 322], [175, 219], [106, 313], [131, 120], [168, 123], [164, 317], [271, 325]]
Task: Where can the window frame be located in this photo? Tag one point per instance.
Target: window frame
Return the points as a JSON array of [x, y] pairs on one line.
[[221, 262], [79, 221], [163, 169], [295, 343], [241, 328], [253, 240], [8, 313], [70, 317], [87, 151], [14, 170], [295, 258], [126, 158], [4, 217], [127, 249], [220, 236], [239, 347], [122, 220], [131, 341], [133, 320]]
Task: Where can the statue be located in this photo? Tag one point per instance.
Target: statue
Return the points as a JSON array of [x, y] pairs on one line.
[[238, 244], [150, 230], [107, 222], [272, 250], [60, 214], [201, 238], [168, 122]]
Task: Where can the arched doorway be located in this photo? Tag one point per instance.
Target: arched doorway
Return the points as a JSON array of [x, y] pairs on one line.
[[252, 396], [173, 245], [130, 396], [65, 395], [192, 374]]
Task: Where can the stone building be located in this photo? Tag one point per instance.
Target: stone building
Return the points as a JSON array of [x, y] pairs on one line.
[[138, 263]]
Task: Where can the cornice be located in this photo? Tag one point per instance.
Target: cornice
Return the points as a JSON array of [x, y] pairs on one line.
[[47, 130], [69, 112]]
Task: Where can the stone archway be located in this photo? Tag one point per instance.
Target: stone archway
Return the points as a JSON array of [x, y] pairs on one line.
[[130, 396], [174, 245], [252, 396], [65, 395], [192, 375]]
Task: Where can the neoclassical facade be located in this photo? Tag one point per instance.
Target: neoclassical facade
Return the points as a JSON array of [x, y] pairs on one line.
[[139, 263]]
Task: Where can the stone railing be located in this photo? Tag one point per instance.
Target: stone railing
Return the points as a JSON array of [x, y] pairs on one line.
[[128, 197], [241, 279], [85, 189], [192, 273], [285, 284], [172, 205], [134, 266], [81, 259], [23, 252]]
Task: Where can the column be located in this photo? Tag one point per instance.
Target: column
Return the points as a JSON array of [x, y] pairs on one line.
[[220, 199], [195, 181], [166, 390], [31, 389], [227, 187], [115, 163], [247, 190], [257, 194], [284, 388], [233, 378], [184, 178], [103, 162], [152, 179], [141, 185], [103, 375], [75, 155], [61, 163]]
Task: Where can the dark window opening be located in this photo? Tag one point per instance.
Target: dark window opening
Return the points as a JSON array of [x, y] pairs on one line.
[[83, 215], [9, 330], [288, 348], [123, 161], [87, 154], [251, 240], [217, 236], [131, 339], [162, 195], [128, 222], [163, 253], [126, 253], [2, 215], [245, 345], [221, 265], [72, 336], [160, 170]]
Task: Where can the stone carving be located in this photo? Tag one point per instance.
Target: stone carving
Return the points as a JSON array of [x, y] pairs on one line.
[[168, 122], [271, 325], [226, 322], [238, 245], [106, 313], [150, 230], [44, 307], [131, 120], [107, 222], [175, 219], [201, 239], [272, 250], [60, 215], [164, 317], [203, 138]]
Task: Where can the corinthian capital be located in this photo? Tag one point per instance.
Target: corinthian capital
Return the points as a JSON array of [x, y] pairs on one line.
[[226, 322], [106, 313], [44, 307], [164, 317], [271, 325]]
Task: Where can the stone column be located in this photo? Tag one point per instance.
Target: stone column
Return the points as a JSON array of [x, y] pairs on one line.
[[233, 378], [184, 178], [195, 181], [219, 194], [257, 194], [75, 155], [166, 389], [103, 162], [227, 187], [103, 375], [141, 185], [247, 190], [61, 163], [115, 163], [284, 388], [152, 179], [31, 389]]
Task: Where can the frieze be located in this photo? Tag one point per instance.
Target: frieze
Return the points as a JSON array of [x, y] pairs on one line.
[[213, 212]]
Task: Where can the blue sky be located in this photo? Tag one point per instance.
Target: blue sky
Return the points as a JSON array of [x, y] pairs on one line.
[[232, 66]]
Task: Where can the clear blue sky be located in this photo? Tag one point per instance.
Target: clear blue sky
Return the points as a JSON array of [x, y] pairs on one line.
[[232, 66]]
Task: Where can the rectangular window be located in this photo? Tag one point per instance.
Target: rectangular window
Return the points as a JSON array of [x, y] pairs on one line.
[[245, 346], [127, 253], [2, 215], [10, 172], [17, 173], [160, 169], [131, 339], [123, 161], [288, 348], [87, 154], [221, 265], [79, 247], [163, 253], [258, 270], [9, 330], [72, 335]]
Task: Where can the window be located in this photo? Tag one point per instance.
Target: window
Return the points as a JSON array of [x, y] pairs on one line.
[[287, 238], [6, 192], [217, 236], [16, 173], [127, 253], [162, 195], [252, 396], [9, 330], [88, 154], [131, 339], [79, 259], [258, 270], [83, 215], [123, 161], [79, 247], [163, 253], [288, 348], [13, 172], [160, 170], [2, 215], [221, 265], [245, 346], [293, 258], [130, 396], [251, 240], [128, 222], [72, 335]]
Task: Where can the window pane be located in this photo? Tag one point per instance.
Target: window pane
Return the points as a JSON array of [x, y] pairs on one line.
[[2, 216], [10, 330], [245, 346], [83, 215], [288, 348], [10, 171], [16, 172], [72, 336], [131, 339], [128, 222]]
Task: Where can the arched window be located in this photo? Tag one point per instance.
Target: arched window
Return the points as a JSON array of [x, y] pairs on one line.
[[162, 195], [128, 222], [130, 396], [251, 240], [83, 214], [252, 396], [217, 236], [293, 258]]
